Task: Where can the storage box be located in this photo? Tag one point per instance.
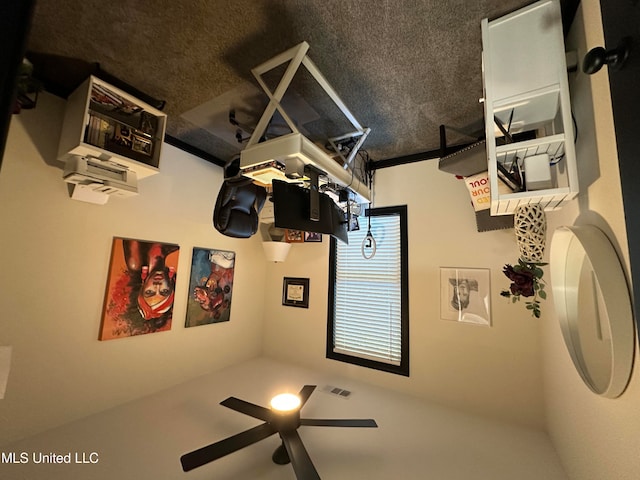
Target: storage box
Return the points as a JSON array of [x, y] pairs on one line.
[[537, 172]]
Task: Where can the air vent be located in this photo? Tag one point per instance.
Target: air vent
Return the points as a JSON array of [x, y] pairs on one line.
[[337, 391]]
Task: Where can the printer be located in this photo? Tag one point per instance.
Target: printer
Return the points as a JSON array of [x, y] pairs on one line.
[[96, 180]]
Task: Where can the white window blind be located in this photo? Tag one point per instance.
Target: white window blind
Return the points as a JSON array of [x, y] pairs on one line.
[[368, 294]]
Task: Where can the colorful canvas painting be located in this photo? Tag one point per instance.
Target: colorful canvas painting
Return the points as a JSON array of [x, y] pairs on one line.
[[210, 287], [140, 288]]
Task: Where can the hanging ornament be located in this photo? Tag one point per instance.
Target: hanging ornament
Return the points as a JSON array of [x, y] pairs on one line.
[[368, 247]]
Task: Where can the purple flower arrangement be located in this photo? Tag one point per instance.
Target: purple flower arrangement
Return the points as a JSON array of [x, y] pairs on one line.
[[526, 281]]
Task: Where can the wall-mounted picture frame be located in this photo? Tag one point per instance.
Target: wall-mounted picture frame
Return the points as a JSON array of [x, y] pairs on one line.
[[293, 236], [141, 144], [141, 286], [465, 295], [210, 287], [295, 292], [312, 237]]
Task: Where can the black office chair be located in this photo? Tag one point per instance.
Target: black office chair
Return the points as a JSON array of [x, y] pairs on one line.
[[238, 207]]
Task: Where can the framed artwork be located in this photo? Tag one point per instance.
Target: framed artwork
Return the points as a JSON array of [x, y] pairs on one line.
[[312, 237], [293, 236], [141, 144], [465, 295], [140, 288], [210, 287], [295, 292]]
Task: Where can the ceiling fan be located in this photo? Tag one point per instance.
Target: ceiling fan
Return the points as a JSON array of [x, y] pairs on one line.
[[283, 418]]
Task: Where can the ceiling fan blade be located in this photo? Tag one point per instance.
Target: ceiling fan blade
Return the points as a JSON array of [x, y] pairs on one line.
[[300, 460], [251, 409], [305, 393], [342, 422], [224, 447]]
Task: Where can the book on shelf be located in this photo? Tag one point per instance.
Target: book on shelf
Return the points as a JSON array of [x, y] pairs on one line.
[[105, 132], [98, 131], [119, 138]]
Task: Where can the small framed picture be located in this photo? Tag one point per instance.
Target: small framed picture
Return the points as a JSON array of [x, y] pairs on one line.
[[141, 144], [122, 135], [465, 295], [312, 237], [295, 292], [148, 123], [293, 236]]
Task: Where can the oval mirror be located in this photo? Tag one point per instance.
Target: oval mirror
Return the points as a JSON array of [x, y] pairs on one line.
[[593, 304]]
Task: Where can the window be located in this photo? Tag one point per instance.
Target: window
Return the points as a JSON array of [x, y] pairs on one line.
[[368, 322]]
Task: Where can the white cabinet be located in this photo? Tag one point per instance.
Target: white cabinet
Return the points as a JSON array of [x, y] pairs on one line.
[[104, 122], [526, 90]]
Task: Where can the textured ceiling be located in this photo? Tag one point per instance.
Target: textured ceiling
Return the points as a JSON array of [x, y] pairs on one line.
[[402, 67]]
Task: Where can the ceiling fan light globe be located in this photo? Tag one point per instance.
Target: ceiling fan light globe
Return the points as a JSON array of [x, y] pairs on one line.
[[285, 402]]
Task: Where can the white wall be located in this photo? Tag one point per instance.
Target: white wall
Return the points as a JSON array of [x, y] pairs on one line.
[[487, 371], [597, 438], [54, 255]]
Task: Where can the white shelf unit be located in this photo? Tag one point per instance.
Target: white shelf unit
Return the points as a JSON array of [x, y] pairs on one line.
[[526, 83], [104, 122]]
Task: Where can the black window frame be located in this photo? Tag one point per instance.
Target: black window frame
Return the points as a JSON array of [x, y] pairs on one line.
[[403, 367]]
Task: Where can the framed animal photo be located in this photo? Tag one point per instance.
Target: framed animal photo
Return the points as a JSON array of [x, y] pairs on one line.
[[210, 287]]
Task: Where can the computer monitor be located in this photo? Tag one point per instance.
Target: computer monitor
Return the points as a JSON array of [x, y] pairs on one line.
[[292, 210]]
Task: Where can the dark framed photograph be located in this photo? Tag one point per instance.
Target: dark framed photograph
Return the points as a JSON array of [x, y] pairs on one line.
[[312, 237], [295, 292], [141, 145]]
